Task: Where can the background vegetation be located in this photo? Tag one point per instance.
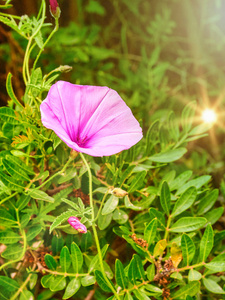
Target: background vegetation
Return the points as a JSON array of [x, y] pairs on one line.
[[166, 60]]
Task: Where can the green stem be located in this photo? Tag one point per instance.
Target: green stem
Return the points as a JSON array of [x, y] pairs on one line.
[[95, 231], [56, 174], [46, 42], [166, 236], [100, 208], [26, 77], [7, 198]]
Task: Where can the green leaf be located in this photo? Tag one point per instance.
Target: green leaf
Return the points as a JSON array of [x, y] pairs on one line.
[[200, 129], [86, 241], [95, 260], [207, 202], [187, 116], [165, 199], [185, 201], [26, 295], [194, 275], [33, 232], [72, 288], [88, 280], [65, 260], [137, 182], [154, 213], [17, 162], [151, 136], [140, 269], [6, 219], [187, 224], [159, 248], [8, 283], [214, 215], [40, 195], [46, 280], [151, 272], [68, 175], [9, 237], [102, 282], [58, 284], [120, 275], [152, 288], [61, 218], [212, 286], [104, 221], [141, 295], [50, 262], [76, 257], [180, 180], [126, 174], [120, 216], [11, 183], [11, 92], [132, 271], [150, 231], [13, 252], [110, 205], [188, 249], [190, 289], [197, 182], [206, 243], [168, 156], [130, 205], [23, 201], [8, 115]]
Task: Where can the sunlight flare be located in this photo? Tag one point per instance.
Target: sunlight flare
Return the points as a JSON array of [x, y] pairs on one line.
[[209, 116]]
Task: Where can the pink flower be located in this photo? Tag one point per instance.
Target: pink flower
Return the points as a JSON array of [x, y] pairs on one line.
[[76, 224], [90, 119], [54, 8]]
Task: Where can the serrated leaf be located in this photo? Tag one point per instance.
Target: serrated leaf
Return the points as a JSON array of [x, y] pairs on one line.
[[19, 164], [11, 92], [206, 243], [64, 259], [165, 198], [212, 286], [187, 224], [120, 275], [77, 257], [185, 201], [72, 288], [102, 282], [8, 115], [50, 262], [110, 205], [40, 195], [61, 218], [71, 203], [150, 231], [11, 183], [168, 156], [190, 289], [188, 249]]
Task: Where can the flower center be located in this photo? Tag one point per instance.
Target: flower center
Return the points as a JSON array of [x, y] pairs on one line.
[[81, 142]]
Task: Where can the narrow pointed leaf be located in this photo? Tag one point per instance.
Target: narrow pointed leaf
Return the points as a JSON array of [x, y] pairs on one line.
[[50, 262], [187, 224], [65, 260], [102, 282], [120, 275], [185, 201], [137, 182], [188, 249], [76, 257], [150, 231], [165, 198], [206, 244], [168, 156]]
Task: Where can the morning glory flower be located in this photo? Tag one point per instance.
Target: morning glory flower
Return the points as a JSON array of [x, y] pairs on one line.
[[90, 119], [76, 224]]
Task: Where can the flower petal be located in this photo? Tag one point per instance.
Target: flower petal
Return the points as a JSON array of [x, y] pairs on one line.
[[89, 119]]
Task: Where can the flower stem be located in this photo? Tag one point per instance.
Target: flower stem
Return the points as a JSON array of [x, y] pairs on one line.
[[95, 231]]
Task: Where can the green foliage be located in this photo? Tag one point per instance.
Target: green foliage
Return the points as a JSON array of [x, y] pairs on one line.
[[161, 238]]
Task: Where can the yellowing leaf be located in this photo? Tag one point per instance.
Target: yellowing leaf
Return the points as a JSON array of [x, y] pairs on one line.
[[176, 255]]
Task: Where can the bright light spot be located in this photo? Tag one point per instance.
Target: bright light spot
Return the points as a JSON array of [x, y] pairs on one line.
[[209, 116]]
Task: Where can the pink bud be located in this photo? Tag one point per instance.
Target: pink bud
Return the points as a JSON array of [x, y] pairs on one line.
[[76, 224], [54, 8]]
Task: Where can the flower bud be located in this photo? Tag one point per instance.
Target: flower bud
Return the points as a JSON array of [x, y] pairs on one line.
[[118, 192], [76, 224], [54, 9]]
